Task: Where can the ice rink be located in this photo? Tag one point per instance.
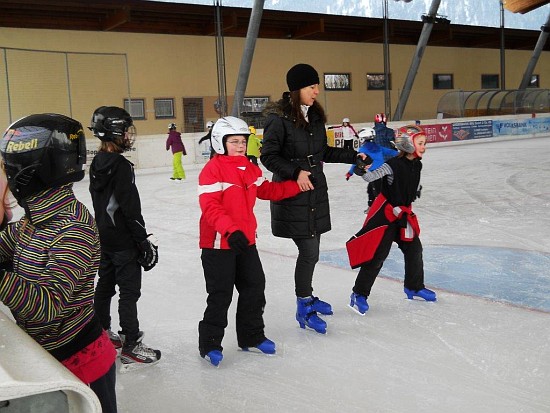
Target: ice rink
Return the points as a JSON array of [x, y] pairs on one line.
[[484, 346]]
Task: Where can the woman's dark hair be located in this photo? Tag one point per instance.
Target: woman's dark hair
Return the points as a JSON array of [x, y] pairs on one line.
[[294, 108]]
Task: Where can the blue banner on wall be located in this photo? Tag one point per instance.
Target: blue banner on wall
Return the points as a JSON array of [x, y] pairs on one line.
[[521, 126], [474, 129]]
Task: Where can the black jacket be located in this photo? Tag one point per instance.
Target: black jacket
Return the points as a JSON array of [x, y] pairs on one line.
[[116, 202], [406, 180], [287, 150]]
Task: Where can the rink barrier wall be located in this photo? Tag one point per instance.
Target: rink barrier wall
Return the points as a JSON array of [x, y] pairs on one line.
[[150, 152], [31, 380]]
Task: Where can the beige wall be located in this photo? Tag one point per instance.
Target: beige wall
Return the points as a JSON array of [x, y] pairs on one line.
[[168, 66]]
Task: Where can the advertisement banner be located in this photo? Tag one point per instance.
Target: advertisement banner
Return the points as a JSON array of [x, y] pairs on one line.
[[475, 129], [442, 132], [521, 126]]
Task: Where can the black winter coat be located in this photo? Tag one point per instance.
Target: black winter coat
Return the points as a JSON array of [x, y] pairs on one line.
[[116, 202], [286, 150]]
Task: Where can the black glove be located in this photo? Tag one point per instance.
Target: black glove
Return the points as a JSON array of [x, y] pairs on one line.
[[363, 163], [359, 171], [419, 191], [149, 254], [238, 242]]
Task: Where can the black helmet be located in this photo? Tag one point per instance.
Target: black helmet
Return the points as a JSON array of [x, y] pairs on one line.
[[43, 151], [110, 122]]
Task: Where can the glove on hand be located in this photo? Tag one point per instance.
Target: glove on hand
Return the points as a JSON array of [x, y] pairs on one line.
[[359, 171], [149, 253], [419, 191], [238, 242], [363, 163]]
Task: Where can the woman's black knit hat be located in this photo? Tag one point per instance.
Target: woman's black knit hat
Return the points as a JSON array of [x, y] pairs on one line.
[[301, 75]]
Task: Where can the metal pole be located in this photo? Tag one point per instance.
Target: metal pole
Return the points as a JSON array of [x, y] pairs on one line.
[[536, 54], [417, 58], [387, 95], [8, 85], [220, 58], [502, 49], [248, 54], [68, 84]]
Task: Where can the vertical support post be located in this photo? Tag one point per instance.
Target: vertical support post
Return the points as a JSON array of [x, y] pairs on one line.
[[544, 30], [248, 54]]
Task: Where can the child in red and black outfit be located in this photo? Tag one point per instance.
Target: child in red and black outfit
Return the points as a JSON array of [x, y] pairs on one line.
[[391, 219], [228, 187]]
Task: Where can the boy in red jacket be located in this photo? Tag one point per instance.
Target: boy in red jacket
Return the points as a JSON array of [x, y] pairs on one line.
[[228, 187]]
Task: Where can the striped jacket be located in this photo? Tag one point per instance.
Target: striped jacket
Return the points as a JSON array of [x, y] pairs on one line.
[[55, 252], [228, 188]]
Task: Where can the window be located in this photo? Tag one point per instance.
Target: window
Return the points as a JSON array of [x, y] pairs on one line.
[[136, 108], [377, 81], [534, 81], [254, 104], [443, 81], [164, 108], [489, 82], [337, 81]]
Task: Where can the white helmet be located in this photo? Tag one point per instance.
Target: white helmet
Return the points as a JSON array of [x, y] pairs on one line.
[[209, 124], [171, 126], [366, 134], [345, 120], [224, 127]]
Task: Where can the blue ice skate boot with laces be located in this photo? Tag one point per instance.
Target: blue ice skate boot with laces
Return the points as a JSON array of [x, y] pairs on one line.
[[266, 347], [358, 303], [424, 293], [214, 357], [322, 307], [307, 316]]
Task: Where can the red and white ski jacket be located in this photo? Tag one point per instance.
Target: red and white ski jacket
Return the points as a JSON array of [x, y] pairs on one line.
[[228, 188]]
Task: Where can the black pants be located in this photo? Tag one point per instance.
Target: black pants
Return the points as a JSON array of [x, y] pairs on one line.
[[119, 268], [412, 253], [224, 269], [348, 143], [308, 256], [104, 388]]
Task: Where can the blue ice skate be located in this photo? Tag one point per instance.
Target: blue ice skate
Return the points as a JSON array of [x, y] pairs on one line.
[[214, 357], [358, 303], [321, 306], [307, 316], [266, 347], [424, 293]]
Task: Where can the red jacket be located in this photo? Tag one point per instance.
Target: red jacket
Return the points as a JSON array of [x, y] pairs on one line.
[[228, 188]]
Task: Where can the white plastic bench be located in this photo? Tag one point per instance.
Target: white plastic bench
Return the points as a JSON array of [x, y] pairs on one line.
[[31, 380]]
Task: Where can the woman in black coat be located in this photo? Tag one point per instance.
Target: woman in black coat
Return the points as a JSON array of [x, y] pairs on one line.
[[295, 147]]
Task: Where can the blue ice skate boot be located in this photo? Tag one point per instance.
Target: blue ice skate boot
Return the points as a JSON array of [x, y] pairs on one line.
[[266, 347], [306, 315], [424, 293], [214, 357], [358, 303], [321, 306]]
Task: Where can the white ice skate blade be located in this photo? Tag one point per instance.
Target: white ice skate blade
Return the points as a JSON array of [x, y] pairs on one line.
[[127, 367], [356, 310]]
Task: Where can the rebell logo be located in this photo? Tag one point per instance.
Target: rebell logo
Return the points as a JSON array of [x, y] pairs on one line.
[[22, 146]]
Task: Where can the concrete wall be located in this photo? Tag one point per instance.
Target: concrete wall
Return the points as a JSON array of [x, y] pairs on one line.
[[170, 66]]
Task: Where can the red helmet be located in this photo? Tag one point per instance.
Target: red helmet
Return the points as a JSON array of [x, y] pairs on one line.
[[380, 118]]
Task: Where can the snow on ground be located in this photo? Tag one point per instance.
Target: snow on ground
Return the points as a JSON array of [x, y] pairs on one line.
[[483, 207]]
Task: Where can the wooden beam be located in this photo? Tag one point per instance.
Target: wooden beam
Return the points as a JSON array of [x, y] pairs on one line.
[[310, 28], [523, 6], [116, 19], [228, 23]]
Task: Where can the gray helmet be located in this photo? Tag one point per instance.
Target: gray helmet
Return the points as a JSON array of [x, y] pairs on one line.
[[224, 127], [404, 140]]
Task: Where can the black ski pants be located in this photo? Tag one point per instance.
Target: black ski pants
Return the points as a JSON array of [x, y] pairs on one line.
[[223, 270], [412, 254], [119, 268], [104, 388]]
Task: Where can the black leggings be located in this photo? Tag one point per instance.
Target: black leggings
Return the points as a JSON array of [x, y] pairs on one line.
[[308, 256]]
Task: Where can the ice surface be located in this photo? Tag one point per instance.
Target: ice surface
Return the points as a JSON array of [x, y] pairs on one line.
[[479, 348]]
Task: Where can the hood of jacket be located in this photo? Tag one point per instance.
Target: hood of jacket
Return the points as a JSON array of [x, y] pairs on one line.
[[103, 167]]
